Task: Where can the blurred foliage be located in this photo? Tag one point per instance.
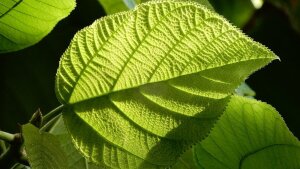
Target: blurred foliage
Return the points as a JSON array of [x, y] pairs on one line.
[[292, 8], [27, 76], [236, 11], [111, 7]]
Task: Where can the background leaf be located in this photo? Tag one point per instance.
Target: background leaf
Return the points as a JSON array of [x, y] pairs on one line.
[[250, 134], [43, 149], [108, 76], [114, 6], [25, 22], [292, 8], [236, 11]]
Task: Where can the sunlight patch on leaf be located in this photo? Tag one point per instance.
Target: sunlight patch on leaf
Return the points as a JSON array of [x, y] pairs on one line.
[[142, 86]]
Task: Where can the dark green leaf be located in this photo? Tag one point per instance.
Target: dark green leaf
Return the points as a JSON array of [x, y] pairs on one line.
[[250, 134], [43, 149]]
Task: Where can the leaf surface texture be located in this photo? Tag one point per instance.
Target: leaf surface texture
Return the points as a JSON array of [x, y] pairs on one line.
[[140, 87], [75, 159]]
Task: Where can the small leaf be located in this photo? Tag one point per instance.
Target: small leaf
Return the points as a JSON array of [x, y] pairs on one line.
[[37, 118], [250, 134], [43, 149], [23, 23], [245, 90], [140, 87]]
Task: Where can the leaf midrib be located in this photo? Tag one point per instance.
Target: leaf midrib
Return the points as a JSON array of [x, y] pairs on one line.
[[136, 86], [131, 16]]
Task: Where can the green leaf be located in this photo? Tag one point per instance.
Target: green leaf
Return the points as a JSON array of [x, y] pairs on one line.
[[250, 134], [142, 86], [43, 149], [186, 161], [23, 23], [202, 2], [114, 6], [245, 90], [236, 11], [75, 159]]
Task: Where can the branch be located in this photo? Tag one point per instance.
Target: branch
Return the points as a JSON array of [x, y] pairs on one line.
[[15, 153]]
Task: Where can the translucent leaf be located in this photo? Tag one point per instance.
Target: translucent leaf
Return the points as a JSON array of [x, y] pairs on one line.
[[142, 86], [245, 90], [25, 22], [202, 2], [250, 134], [114, 6], [186, 161], [75, 159], [43, 149]]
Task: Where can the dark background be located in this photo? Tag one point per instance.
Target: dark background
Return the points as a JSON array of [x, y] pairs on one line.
[[27, 76]]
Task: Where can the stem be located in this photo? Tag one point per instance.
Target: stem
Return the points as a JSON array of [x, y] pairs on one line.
[[2, 146], [50, 123], [52, 114], [7, 136], [14, 153]]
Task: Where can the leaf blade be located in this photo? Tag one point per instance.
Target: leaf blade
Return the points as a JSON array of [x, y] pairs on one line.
[[145, 92], [26, 22], [258, 138], [43, 149]]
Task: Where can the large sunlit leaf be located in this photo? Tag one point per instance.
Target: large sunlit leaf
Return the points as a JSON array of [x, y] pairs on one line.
[[250, 134], [25, 22], [43, 149], [142, 86], [75, 159]]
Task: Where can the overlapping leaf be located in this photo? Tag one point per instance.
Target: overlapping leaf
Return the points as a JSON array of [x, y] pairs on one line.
[[250, 134], [75, 159], [114, 6], [25, 22], [43, 149], [142, 86]]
